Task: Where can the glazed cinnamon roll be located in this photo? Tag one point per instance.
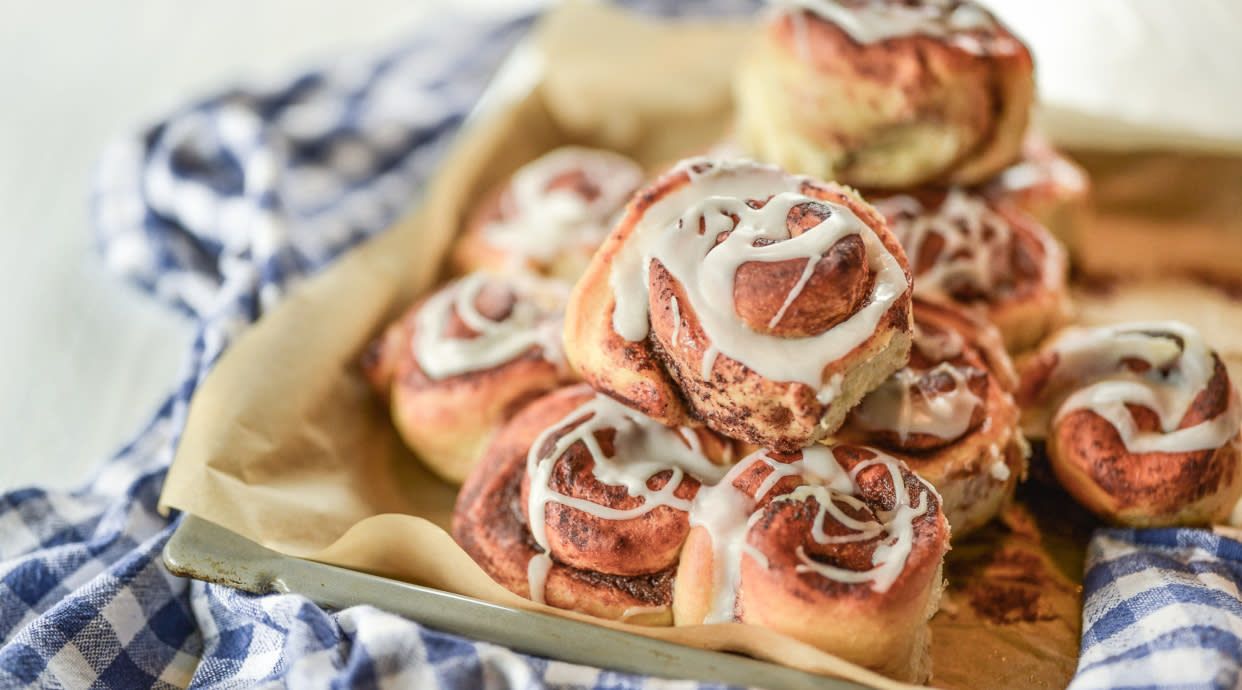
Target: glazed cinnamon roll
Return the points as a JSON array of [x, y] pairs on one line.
[[841, 547], [984, 254], [762, 304], [583, 504], [551, 215], [1049, 187], [949, 414], [885, 93], [1140, 422], [462, 360]]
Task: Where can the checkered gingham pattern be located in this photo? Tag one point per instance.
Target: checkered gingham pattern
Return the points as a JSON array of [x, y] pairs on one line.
[[217, 210]]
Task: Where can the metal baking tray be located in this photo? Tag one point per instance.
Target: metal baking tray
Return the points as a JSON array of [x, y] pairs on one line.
[[206, 551]]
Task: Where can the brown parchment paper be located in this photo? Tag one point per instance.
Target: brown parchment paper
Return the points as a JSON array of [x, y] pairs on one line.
[[286, 445], [1160, 213]]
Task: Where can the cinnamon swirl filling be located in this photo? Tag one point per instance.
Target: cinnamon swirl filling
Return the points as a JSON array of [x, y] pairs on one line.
[[1141, 421], [551, 215], [464, 359], [759, 303], [983, 254]]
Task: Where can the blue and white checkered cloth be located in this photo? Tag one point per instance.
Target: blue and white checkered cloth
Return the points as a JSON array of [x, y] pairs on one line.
[[218, 210], [1161, 610]]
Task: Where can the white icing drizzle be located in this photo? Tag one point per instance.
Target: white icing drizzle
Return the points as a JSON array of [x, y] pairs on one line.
[[830, 391], [893, 407], [534, 321], [977, 243], [999, 470], [976, 240], [636, 611], [676, 309], [1029, 174], [802, 41], [709, 360], [807, 272], [538, 222], [537, 569], [727, 514], [890, 556], [1169, 387], [872, 21], [643, 448], [705, 269]]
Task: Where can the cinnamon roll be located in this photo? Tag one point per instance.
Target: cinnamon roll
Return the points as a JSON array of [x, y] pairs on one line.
[[761, 304], [551, 215], [1140, 422], [885, 93], [462, 360], [1049, 187], [841, 547], [986, 254], [583, 504], [949, 414]]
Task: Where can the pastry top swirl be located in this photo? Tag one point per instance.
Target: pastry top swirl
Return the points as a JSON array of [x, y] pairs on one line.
[[482, 321], [1157, 384], [959, 22], [608, 489], [732, 217], [964, 247], [1140, 420], [726, 278], [550, 215]]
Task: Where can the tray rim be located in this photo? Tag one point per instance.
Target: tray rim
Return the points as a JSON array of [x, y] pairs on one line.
[[205, 551]]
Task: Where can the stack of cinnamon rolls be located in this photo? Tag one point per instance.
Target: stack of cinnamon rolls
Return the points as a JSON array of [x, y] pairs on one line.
[[739, 392]]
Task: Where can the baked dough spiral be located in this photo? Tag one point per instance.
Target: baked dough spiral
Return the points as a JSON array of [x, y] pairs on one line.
[[462, 360], [885, 94], [550, 215], [1140, 422], [950, 415], [585, 504], [761, 304], [840, 547], [983, 254]]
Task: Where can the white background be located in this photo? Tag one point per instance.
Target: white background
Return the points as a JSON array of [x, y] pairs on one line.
[[85, 359]]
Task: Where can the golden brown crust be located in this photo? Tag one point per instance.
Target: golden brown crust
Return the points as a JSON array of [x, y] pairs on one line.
[[490, 524], [448, 421], [982, 337], [594, 565], [664, 377], [1091, 461], [883, 629], [786, 525], [893, 113], [1146, 489], [646, 544]]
